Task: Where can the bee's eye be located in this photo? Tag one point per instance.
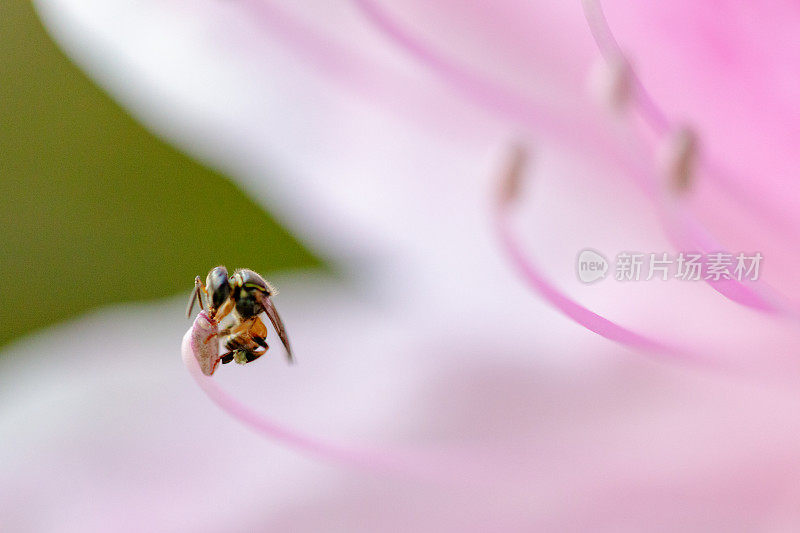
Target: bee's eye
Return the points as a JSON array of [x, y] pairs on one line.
[[218, 286]]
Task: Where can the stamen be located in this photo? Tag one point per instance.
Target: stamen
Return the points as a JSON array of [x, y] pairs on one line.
[[683, 163], [574, 131], [539, 282], [510, 183], [680, 155], [450, 471], [611, 51], [568, 126], [192, 357], [612, 83], [724, 178]]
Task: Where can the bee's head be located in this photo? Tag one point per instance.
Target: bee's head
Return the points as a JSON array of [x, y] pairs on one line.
[[218, 286]]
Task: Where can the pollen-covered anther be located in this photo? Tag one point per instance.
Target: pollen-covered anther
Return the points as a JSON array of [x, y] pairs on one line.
[[204, 344], [679, 159], [612, 83], [510, 183]]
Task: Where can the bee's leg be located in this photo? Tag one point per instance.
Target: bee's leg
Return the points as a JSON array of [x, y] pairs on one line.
[[226, 308], [258, 333], [258, 329], [261, 342], [197, 296], [236, 329], [226, 358], [252, 355]]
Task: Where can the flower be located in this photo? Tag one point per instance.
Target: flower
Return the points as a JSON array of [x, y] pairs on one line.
[[377, 134]]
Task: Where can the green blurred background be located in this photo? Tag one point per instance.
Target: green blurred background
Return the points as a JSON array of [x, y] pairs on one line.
[[93, 208]]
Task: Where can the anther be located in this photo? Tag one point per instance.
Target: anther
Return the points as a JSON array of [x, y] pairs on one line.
[[612, 83], [510, 183], [680, 159]]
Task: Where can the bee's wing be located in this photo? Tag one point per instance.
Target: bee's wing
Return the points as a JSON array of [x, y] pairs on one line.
[[275, 318]]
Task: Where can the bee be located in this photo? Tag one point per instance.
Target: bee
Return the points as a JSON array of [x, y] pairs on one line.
[[242, 297]]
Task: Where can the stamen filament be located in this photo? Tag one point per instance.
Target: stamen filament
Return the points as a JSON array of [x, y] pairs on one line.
[[362, 459], [539, 282], [448, 471]]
